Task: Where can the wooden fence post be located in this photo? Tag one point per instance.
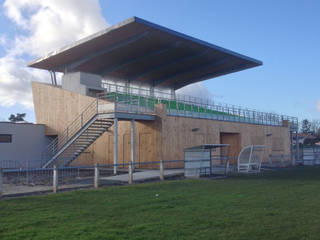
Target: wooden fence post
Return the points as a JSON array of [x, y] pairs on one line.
[[161, 170], [96, 176], [55, 179], [130, 180]]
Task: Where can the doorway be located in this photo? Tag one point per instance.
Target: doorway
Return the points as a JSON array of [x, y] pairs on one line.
[[235, 145]]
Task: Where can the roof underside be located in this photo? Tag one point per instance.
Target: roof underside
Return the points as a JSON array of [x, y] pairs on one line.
[[146, 53]]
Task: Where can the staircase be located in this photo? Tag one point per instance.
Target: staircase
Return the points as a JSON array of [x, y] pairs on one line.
[[89, 126], [77, 137], [80, 142]]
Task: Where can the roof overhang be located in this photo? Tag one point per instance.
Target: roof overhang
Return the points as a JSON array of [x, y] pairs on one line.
[[145, 53]]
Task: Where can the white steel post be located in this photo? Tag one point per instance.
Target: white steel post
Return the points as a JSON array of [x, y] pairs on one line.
[[132, 144], [96, 176], [55, 179], [115, 147]]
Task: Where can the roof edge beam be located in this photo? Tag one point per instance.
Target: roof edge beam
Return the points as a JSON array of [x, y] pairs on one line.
[[195, 40], [140, 58], [132, 39], [211, 64]]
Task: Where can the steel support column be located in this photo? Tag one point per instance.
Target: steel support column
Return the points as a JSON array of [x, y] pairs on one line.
[[132, 144], [293, 161], [115, 146], [297, 147]]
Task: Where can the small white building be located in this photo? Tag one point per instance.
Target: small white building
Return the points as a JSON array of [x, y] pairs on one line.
[[21, 144]]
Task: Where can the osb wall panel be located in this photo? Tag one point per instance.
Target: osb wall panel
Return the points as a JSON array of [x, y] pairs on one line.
[[102, 149], [57, 108], [180, 132], [165, 138]]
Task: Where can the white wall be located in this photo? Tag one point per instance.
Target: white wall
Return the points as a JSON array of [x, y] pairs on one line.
[[28, 142]]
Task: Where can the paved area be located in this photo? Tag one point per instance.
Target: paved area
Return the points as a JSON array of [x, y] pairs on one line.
[[144, 175], [12, 189], [18, 190]]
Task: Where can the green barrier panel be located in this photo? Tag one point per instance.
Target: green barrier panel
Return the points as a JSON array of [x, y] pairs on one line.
[[181, 106], [173, 105], [151, 102]]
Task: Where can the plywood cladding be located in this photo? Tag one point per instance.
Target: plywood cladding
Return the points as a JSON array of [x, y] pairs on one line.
[[165, 138], [179, 133]]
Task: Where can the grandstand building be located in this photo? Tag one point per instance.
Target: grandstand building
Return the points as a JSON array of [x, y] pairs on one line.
[[117, 102]]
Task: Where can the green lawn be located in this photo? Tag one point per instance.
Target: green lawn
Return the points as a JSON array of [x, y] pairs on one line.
[[273, 205]]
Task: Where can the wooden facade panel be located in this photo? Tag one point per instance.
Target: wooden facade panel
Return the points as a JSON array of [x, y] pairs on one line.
[[146, 148], [110, 148], [277, 144], [234, 140], [165, 138], [174, 144], [126, 151]]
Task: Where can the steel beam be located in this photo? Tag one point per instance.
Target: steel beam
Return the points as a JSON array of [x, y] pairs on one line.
[[139, 58], [193, 69], [123, 115], [74, 65], [170, 63], [210, 75]]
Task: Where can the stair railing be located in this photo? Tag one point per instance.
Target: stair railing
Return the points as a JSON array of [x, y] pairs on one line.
[[56, 144]]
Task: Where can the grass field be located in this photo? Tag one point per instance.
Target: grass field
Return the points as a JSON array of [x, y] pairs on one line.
[[273, 205]]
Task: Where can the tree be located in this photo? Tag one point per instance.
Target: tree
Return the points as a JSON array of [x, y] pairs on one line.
[[17, 118], [306, 126], [315, 127]]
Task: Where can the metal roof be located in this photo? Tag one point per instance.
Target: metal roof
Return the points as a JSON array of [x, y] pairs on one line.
[[146, 53]]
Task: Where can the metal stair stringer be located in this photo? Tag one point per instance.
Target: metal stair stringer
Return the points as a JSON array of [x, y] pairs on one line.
[[80, 141]]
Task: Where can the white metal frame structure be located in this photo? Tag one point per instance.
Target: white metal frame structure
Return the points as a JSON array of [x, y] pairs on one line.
[[250, 158], [207, 159]]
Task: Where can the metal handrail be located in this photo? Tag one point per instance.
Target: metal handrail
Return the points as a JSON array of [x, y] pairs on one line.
[[89, 112], [57, 143], [226, 112]]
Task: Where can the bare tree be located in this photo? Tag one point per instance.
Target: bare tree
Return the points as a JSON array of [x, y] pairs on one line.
[[315, 127]]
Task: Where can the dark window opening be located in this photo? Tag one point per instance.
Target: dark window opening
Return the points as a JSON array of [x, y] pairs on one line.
[[5, 138]]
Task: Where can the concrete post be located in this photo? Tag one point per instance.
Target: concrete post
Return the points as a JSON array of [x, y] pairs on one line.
[[115, 147], [130, 174], [96, 176], [161, 170], [132, 144], [1, 190], [55, 179]]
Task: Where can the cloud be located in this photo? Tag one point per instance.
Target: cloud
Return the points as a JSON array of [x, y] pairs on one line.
[[3, 40], [44, 26], [318, 106], [195, 90]]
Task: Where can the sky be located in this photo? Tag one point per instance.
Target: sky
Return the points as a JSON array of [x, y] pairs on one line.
[[284, 35]]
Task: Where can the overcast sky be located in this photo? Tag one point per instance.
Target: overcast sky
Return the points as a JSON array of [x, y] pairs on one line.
[[285, 35]]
